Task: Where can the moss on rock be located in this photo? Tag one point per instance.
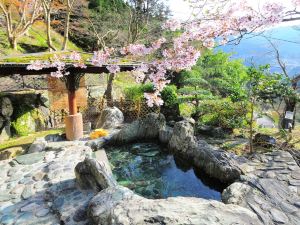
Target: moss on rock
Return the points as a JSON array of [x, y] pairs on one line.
[[24, 125]]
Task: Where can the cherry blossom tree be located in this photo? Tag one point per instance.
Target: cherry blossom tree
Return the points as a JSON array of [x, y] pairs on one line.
[[216, 22]]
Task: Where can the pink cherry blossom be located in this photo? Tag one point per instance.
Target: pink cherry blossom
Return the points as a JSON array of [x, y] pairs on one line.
[[37, 65], [172, 25], [296, 3], [75, 56], [57, 74], [100, 57], [160, 85], [153, 99], [138, 49], [77, 60], [209, 43], [143, 68], [217, 21], [113, 68], [157, 44]]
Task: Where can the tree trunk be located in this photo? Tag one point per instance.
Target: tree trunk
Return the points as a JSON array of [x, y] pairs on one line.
[[108, 91], [66, 32], [251, 127], [49, 40], [280, 122], [13, 43]]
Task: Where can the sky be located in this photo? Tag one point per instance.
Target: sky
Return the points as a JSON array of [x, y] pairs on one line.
[[180, 9], [257, 48]]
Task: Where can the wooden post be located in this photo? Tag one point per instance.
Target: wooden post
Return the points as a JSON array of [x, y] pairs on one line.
[[73, 122], [72, 102], [122, 104]]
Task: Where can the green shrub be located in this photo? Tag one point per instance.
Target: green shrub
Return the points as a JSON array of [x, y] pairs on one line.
[[186, 109], [222, 113], [136, 92], [169, 95]]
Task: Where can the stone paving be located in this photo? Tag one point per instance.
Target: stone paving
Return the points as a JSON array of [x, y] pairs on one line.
[[40, 188], [270, 188]]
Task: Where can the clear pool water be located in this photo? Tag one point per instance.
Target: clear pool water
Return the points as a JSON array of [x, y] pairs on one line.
[[152, 173]]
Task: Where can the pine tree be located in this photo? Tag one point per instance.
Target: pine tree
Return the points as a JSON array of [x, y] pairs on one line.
[[194, 88]]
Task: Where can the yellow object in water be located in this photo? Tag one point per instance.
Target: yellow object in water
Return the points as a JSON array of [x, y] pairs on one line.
[[98, 133]]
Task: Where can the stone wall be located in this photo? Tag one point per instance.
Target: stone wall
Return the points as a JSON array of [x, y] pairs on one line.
[[30, 113], [58, 94]]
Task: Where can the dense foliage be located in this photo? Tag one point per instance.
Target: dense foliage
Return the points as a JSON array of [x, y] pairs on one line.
[[215, 86], [136, 92], [215, 74], [117, 23], [169, 95], [106, 5], [223, 113]]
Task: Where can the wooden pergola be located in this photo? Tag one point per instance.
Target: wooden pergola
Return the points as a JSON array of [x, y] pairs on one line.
[[74, 124]]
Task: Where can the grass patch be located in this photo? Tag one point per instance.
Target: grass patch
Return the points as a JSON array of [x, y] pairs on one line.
[[237, 147], [25, 141], [34, 41]]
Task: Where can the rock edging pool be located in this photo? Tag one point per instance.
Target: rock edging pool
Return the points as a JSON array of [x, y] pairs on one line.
[[148, 170]]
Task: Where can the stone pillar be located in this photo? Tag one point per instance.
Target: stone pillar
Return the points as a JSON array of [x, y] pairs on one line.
[[74, 127]]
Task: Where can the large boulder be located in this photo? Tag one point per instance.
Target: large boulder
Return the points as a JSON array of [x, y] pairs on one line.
[[214, 161], [6, 107], [165, 135], [110, 117], [119, 205], [147, 127], [91, 174], [183, 140], [264, 140], [217, 163], [216, 132], [269, 187]]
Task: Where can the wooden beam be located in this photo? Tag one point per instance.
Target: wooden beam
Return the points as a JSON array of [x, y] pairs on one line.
[[11, 69]]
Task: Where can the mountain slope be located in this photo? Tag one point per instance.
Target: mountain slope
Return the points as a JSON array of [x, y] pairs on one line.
[[34, 41]]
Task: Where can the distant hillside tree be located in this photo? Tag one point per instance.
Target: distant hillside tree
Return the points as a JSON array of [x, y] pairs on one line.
[[69, 7], [48, 7], [19, 16], [144, 16], [117, 23], [101, 5]]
